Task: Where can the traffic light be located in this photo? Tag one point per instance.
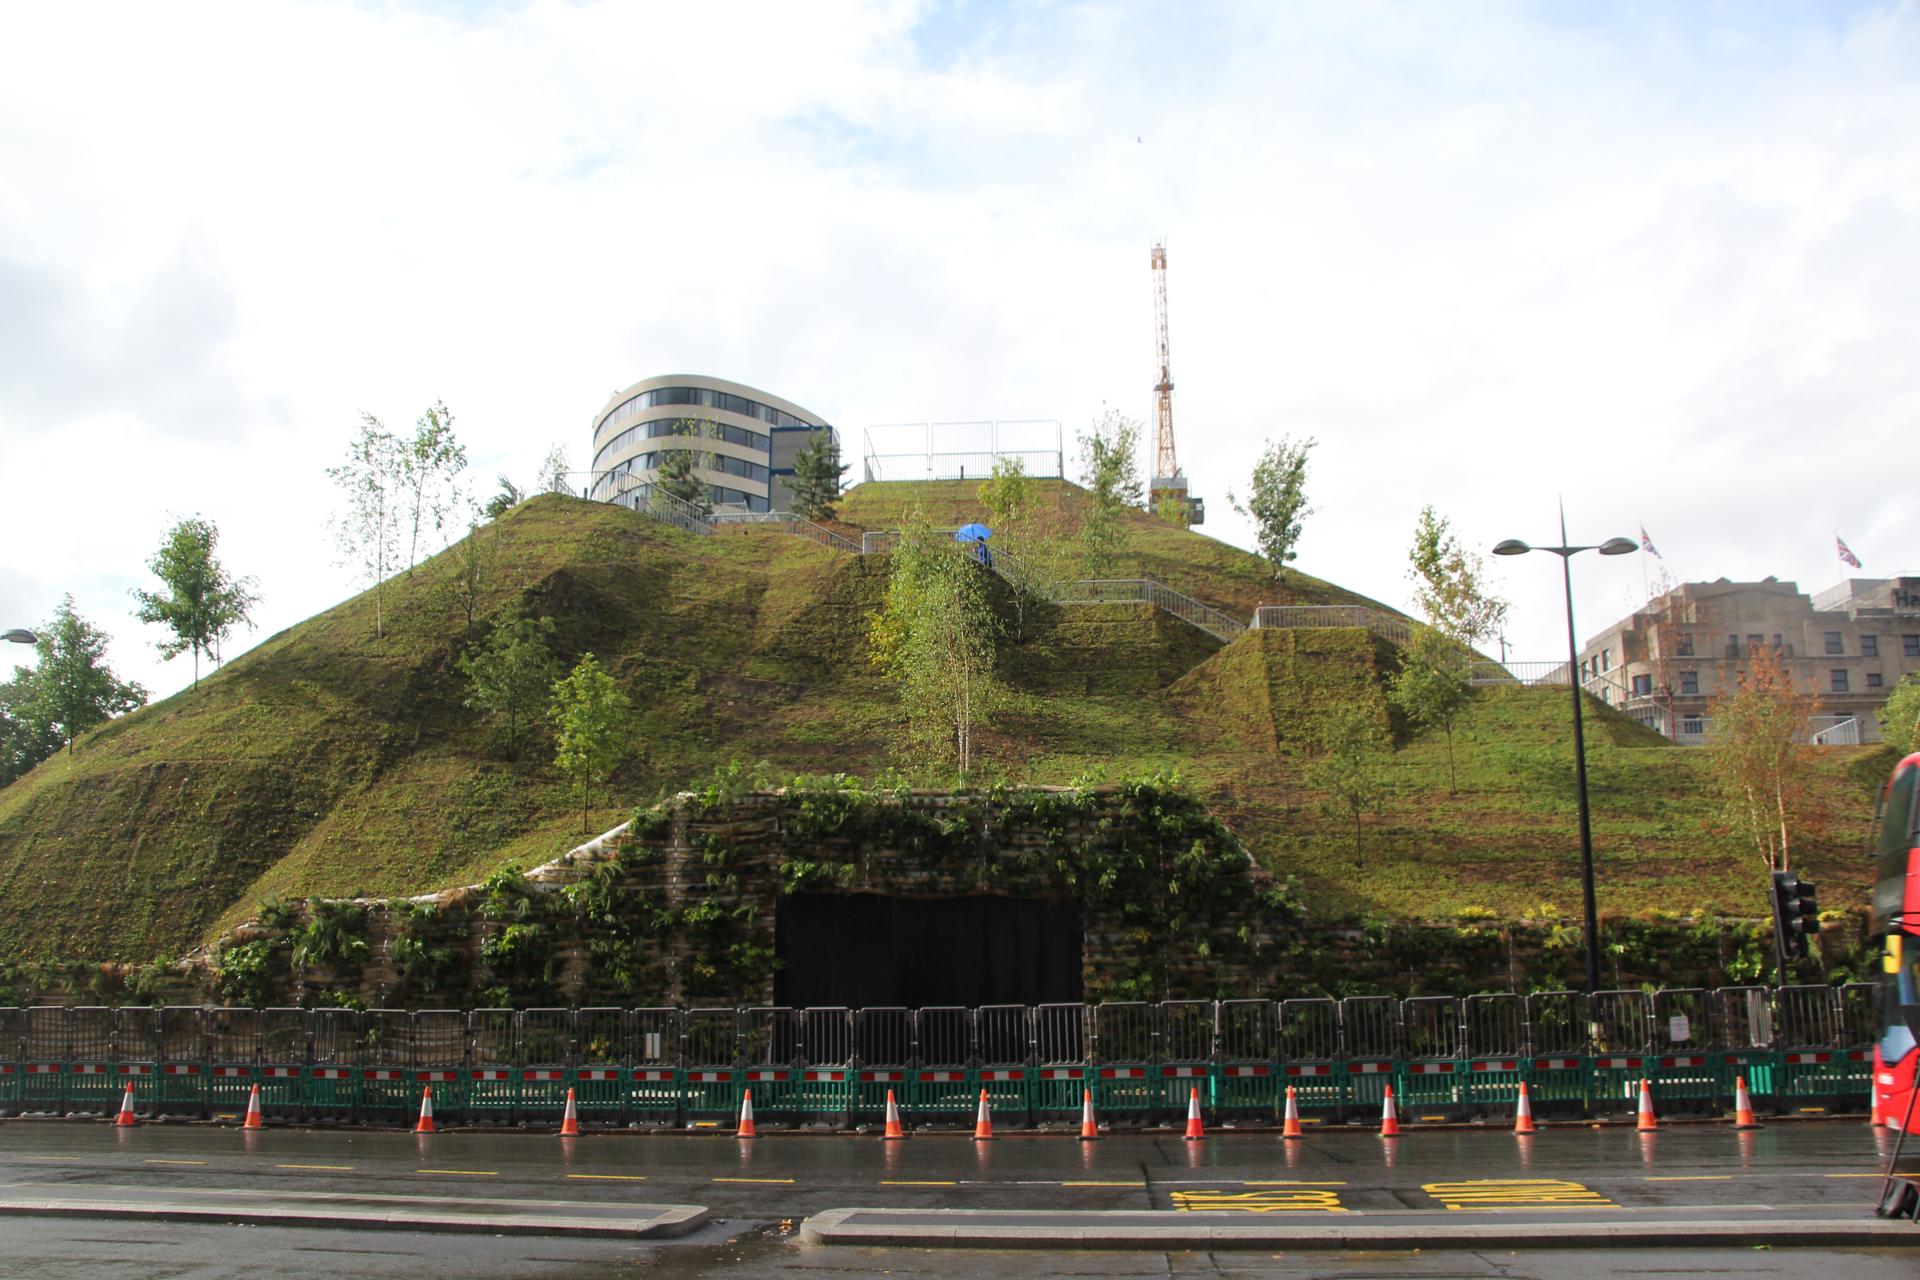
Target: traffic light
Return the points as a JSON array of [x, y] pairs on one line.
[[1796, 912]]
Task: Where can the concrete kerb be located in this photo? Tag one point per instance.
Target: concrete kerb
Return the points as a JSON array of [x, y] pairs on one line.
[[1126, 1230], [356, 1212]]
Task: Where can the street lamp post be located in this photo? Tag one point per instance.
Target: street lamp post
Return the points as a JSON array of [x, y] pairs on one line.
[[1611, 547], [20, 635]]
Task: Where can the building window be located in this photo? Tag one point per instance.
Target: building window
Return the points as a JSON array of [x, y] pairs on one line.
[[1606, 659], [1839, 677], [1873, 679], [1910, 645], [1733, 646], [1869, 646], [1834, 644], [1690, 682], [1685, 648], [1642, 686]]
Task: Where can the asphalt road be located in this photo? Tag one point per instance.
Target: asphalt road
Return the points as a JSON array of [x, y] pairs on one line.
[[753, 1188]]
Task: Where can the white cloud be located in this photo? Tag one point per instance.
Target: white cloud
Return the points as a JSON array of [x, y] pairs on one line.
[[1656, 260]]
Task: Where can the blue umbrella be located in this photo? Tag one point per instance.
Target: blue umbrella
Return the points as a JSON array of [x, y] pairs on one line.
[[972, 533]]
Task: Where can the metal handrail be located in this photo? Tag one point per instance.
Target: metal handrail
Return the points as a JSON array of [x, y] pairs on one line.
[[1388, 628]]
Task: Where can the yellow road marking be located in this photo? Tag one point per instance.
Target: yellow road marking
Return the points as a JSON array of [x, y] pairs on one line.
[[610, 1177], [886, 1183], [1693, 1177], [1275, 1201], [330, 1168], [1292, 1182], [173, 1162], [753, 1179], [1136, 1185], [464, 1173], [1508, 1193]]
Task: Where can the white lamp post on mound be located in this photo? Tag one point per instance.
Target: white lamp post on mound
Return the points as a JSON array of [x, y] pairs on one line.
[[1611, 547]]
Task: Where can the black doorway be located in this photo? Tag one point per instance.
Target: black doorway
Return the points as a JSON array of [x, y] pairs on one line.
[[864, 950]]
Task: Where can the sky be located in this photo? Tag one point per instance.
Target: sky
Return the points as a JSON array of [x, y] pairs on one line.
[[1657, 261]]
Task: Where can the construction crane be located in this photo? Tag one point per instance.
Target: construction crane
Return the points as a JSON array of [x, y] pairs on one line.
[[1168, 490]]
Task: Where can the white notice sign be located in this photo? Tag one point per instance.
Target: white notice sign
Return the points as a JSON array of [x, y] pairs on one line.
[[1679, 1030]]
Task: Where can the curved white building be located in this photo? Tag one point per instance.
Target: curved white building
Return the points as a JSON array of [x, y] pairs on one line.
[[748, 437]]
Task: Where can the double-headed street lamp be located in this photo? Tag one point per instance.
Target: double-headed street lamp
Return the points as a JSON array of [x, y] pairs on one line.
[[20, 635], [1611, 547]]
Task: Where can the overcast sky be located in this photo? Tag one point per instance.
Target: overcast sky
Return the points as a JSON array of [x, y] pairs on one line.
[[1658, 258]]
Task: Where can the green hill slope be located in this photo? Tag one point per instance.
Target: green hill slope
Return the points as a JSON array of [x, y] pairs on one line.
[[327, 762]]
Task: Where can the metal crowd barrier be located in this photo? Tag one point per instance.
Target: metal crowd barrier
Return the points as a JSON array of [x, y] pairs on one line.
[[1800, 1049]]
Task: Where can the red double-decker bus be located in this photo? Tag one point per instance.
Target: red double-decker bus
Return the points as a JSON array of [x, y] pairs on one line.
[[1896, 920]]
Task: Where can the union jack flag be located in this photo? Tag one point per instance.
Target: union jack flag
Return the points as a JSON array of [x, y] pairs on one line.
[[1646, 544], [1846, 556]]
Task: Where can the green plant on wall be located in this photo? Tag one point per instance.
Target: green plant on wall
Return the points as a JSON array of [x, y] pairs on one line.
[[334, 936], [420, 955], [244, 973]]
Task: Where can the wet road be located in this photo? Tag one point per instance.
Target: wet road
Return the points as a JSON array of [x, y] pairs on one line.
[[752, 1187]]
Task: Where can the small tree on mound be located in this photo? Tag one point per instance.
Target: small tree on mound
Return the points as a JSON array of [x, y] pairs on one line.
[[1431, 686], [1900, 717], [1352, 750], [1109, 467], [1277, 503], [1759, 754], [816, 477], [201, 602], [512, 675], [1449, 583], [589, 715]]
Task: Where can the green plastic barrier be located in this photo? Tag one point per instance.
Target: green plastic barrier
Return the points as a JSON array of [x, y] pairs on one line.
[[1559, 1086], [1175, 1082], [491, 1094], [1124, 1092], [1690, 1084], [1431, 1089], [710, 1095], [1490, 1089], [10, 1077], [600, 1094], [1616, 1082], [181, 1086], [543, 1094], [383, 1093], [93, 1086], [286, 1091], [1760, 1069], [1009, 1093], [1364, 1090], [1249, 1090], [776, 1093], [662, 1095], [230, 1084], [1055, 1094], [1319, 1091], [826, 1093], [941, 1094]]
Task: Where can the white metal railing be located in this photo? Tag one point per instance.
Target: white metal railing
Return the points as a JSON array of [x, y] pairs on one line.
[[1147, 591], [788, 522], [1387, 627], [1524, 673], [1839, 731], [650, 499]]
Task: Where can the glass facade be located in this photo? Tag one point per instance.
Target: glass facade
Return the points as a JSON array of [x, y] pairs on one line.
[[633, 406], [651, 415]]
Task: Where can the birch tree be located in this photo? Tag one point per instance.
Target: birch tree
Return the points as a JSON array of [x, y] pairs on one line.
[[935, 637], [201, 602], [1759, 754], [429, 476], [590, 721], [1450, 583], [368, 530]]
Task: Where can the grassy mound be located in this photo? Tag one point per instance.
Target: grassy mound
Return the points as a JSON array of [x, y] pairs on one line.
[[326, 761]]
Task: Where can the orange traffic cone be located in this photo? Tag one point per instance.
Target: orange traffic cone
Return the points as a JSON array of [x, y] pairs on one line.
[[894, 1129], [570, 1122], [253, 1120], [125, 1119], [1290, 1126], [1089, 1131], [1389, 1118], [1646, 1122], [746, 1129], [982, 1120], [1195, 1130], [1523, 1112], [1743, 1105], [425, 1124]]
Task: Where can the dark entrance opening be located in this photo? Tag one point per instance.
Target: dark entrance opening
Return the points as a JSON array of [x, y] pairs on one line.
[[864, 950]]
